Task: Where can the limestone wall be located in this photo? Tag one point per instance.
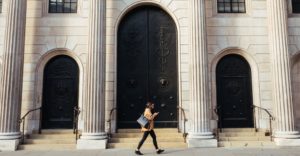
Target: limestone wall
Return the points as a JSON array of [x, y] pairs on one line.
[[48, 35]]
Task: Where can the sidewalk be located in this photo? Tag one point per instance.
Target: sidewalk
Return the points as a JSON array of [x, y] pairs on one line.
[[287, 151]]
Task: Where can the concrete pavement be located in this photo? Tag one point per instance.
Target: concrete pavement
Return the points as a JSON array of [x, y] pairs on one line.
[[287, 151]]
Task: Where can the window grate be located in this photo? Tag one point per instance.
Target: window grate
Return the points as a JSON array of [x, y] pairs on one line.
[[62, 6], [296, 6], [231, 6]]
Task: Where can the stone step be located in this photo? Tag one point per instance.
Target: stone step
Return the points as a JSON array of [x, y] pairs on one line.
[[245, 138], [51, 141], [51, 136], [246, 144], [157, 130], [238, 129], [54, 131], [139, 135], [148, 145], [33, 147], [149, 139], [238, 134]]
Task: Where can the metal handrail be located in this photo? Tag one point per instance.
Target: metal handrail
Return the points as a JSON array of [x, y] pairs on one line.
[[270, 119], [75, 121], [219, 125], [22, 121], [109, 121], [185, 120]]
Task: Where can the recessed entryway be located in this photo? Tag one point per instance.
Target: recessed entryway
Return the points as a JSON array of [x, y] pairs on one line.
[[234, 92], [147, 66], [60, 92]]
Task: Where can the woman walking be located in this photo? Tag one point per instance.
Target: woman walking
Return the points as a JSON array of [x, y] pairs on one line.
[[150, 130]]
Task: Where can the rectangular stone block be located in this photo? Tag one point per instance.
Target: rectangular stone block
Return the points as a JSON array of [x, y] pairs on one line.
[[194, 143], [9, 145], [91, 144], [287, 142]]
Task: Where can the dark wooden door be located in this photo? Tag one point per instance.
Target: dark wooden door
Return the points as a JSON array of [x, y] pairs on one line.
[[234, 92], [60, 92], [147, 67]]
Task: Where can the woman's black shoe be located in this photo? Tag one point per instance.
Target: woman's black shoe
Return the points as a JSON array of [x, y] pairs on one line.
[[159, 151], [138, 152]]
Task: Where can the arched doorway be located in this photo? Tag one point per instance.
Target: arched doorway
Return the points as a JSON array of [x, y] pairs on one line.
[[147, 67], [234, 92], [60, 92]]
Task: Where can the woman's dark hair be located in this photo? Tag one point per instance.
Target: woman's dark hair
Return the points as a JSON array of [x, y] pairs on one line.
[[149, 104]]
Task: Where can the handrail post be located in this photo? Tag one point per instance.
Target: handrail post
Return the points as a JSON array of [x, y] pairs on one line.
[[270, 124], [185, 119], [218, 123], [109, 121], [23, 132], [76, 112], [74, 120], [254, 118], [40, 122]]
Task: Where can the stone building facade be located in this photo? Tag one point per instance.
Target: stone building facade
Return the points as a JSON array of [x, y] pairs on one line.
[[219, 53]]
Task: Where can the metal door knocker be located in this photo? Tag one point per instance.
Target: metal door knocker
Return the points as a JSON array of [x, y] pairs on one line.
[[163, 82]]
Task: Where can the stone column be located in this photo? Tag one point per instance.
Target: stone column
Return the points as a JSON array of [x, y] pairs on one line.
[[12, 75], [200, 134], [285, 134], [94, 136]]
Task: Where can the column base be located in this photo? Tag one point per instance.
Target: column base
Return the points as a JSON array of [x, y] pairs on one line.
[[201, 140], [287, 138], [9, 145], [287, 142], [92, 141], [91, 144]]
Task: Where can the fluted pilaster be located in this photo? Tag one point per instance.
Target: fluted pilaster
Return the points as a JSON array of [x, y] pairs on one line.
[[200, 121], [12, 70], [280, 60], [94, 119]]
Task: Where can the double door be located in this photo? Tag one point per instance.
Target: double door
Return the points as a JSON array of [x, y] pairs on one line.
[[60, 93], [234, 92], [147, 67]]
